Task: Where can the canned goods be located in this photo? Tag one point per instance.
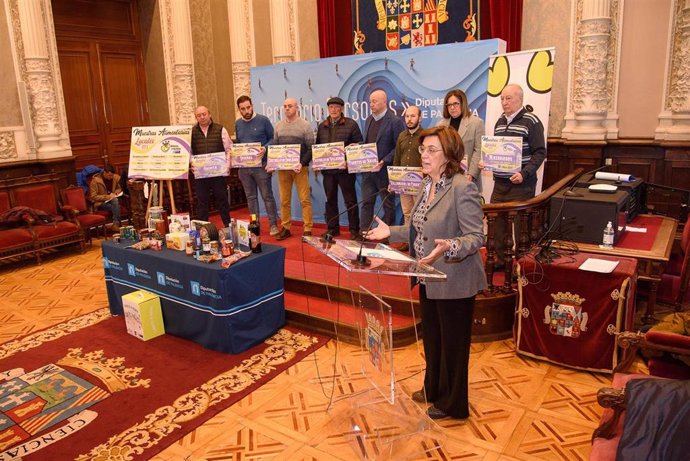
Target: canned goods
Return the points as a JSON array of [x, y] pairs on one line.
[[227, 248], [206, 245], [189, 248], [214, 247]]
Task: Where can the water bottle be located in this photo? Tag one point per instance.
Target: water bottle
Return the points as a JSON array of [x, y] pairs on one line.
[[608, 236]]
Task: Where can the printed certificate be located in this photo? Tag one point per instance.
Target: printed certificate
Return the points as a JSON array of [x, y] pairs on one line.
[[502, 153], [329, 156], [405, 179], [160, 152], [246, 155], [283, 157], [361, 158], [210, 165]]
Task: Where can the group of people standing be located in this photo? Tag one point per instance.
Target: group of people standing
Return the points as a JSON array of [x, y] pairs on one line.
[[443, 224]]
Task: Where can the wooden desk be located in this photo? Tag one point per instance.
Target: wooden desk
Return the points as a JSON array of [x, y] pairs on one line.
[[652, 261]]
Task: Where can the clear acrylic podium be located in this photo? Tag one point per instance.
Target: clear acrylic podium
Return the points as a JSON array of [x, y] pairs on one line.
[[383, 421]]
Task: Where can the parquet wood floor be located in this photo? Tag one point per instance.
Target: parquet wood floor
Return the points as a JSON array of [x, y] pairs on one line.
[[522, 409]]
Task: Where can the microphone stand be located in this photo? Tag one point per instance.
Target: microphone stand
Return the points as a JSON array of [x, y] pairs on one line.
[[362, 260], [328, 237]]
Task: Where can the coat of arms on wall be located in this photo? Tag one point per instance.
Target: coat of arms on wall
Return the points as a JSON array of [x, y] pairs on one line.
[[565, 316]]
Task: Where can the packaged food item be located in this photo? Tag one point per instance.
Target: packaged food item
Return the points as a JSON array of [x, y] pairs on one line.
[[232, 259]]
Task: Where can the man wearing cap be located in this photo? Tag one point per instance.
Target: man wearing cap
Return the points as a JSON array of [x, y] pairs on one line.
[[338, 128]]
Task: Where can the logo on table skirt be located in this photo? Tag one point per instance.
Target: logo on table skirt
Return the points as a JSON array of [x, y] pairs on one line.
[[160, 276], [565, 316], [106, 264], [131, 270], [196, 288]]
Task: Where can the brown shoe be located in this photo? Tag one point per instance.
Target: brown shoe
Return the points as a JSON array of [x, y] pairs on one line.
[[306, 233], [284, 233], [418, 396], [404, 247]]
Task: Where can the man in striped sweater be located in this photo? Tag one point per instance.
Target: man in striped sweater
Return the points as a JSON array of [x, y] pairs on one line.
[[520, 186]]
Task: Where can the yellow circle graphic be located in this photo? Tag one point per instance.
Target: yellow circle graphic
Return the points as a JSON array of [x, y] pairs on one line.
[[540, 72], [499, 76]]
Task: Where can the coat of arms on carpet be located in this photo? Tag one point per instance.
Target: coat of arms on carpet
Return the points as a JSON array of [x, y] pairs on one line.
[[565, 316], [55, 403]]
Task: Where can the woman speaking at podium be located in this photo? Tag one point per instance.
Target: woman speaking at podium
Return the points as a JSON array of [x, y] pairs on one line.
[[446, 231]]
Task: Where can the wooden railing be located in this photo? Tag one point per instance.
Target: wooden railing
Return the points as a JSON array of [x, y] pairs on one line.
[[532, 217]]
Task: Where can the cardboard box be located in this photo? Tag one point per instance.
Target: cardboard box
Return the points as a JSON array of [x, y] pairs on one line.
[[143, 314], [176, 240], [182, 219]]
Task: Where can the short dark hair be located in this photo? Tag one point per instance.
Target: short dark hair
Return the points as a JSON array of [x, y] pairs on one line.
[[244, 98], [451, 143], [108, 168], [464, 105]]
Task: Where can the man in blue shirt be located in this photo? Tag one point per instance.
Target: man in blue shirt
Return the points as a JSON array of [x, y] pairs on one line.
[[253, 127]]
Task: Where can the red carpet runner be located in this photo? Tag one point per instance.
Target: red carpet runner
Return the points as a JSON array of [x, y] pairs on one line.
[[87, 390]]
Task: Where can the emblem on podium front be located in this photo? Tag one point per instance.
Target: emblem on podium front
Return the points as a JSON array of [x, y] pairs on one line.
[[565, 316], [374, 340]]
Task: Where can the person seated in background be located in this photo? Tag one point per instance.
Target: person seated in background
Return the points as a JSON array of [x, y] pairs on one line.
[[104, 191]]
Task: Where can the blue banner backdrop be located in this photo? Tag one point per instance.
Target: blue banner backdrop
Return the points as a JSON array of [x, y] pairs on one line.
[[420, 76], [401, 24]]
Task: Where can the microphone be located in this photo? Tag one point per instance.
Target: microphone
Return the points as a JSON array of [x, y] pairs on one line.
[[328, 237], [362, 260]]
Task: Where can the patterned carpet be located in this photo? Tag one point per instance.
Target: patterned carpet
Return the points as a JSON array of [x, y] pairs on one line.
[[522, 409]]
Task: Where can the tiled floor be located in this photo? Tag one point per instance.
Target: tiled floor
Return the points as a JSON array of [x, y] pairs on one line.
[[522, 409]]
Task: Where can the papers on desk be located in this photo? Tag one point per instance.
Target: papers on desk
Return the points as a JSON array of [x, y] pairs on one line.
[[636, 229], [598, 265]]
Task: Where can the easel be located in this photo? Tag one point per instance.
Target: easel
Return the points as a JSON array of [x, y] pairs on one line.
[[161, 194]]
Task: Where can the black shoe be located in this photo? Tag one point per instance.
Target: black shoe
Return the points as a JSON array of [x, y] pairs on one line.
[[418, 396], [284, 233], [334, 233], [436, 413], [357, 237]]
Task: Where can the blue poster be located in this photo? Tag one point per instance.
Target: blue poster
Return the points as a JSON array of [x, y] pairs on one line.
[[419, 76]]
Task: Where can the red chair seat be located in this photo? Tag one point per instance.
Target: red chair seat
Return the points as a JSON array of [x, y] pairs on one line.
[[91, 220], [50, 231], [13, 238]]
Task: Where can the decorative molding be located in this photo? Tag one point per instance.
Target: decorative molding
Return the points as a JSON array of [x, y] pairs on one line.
[[177, 55], [283, 38], [241, 80], [674, 120], [594, 73], [8, 146]]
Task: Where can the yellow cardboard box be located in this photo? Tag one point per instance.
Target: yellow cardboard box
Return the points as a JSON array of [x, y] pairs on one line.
[[143, 314]]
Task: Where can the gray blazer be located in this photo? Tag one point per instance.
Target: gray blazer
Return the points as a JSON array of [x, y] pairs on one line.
[[455, 213], [471, 130]]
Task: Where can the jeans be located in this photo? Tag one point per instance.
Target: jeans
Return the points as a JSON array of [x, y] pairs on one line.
[[114, 207], [346, 181], [374, 184], [257, 178]]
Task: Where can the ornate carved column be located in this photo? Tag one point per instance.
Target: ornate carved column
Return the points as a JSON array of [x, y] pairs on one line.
[[241, 22], [594, 73], [674, 119], [283, 19], [39, 69], [179, 66]]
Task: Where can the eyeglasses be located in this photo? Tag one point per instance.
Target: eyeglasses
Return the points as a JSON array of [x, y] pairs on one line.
[[453, 104], [429, 149]]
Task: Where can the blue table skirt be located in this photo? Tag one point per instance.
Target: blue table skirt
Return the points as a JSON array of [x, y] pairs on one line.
[[228, 310]]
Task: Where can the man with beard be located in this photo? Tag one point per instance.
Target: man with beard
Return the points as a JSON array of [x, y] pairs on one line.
[[253, 127]]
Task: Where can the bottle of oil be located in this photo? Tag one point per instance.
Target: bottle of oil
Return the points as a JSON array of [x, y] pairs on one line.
[[254, 235]]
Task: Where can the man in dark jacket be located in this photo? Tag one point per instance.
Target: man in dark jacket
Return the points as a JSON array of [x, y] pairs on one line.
[[338, 128], [383, 128], [208, 138]]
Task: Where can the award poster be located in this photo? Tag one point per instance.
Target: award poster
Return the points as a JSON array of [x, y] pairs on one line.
[[160, 152], [329, 156], [502, 153], [283, 157], [405, 180], [246, 155], [210, 165], [361, 158]]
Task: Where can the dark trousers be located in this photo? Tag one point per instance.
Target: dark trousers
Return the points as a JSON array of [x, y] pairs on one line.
[[346, 182], [202, 188], [506, 191], [447, 331], [371, 184]]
